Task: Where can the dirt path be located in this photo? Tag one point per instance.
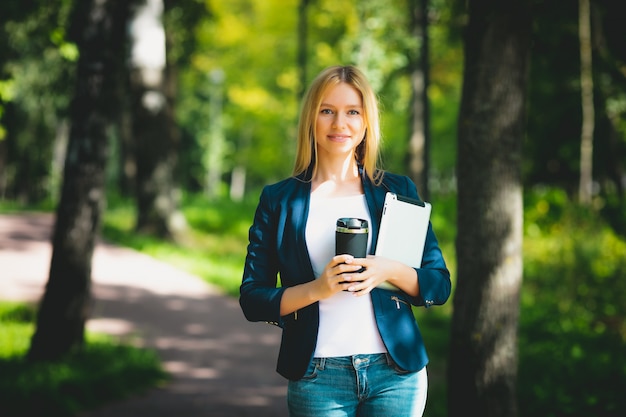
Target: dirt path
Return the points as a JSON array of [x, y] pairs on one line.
[[221, 364]]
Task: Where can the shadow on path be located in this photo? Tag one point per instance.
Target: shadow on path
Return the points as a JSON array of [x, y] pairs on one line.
[[221, 365]]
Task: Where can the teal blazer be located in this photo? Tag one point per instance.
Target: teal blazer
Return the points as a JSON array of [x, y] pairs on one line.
[[277, 246]]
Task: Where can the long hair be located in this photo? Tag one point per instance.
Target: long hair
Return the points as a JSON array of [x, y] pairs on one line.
[[367, 153]]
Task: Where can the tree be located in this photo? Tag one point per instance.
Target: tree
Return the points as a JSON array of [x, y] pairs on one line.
[[99, 32], [608, 32], [153, 126], [588, 113], [302, 46], [419, 140], [483, 345]]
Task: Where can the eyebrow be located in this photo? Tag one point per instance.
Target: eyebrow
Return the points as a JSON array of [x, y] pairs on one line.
[[350, 106]]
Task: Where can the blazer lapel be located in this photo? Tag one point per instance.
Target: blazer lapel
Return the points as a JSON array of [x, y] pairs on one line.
[[299, 207], [375, 197]]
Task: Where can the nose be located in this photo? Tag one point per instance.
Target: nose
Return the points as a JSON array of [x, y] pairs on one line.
[[339, 121]]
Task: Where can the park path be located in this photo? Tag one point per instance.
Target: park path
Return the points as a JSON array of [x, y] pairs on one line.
[[221, 365]]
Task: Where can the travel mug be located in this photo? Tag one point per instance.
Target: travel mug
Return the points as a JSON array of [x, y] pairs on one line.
[[351, 237]]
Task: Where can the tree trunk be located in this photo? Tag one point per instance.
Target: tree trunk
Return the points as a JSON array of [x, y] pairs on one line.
[[99, 28], [126, 174], [216, 143], [586, 90], [419, 141], [303, 26], [483, 352], [155, 150]]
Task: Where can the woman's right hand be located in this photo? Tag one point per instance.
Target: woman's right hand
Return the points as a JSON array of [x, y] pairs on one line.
[[330, 282], [337, 276]]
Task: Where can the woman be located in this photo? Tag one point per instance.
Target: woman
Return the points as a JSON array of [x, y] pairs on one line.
[[348, 348]]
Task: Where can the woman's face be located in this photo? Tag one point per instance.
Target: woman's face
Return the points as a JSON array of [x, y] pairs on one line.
[[340, 123]]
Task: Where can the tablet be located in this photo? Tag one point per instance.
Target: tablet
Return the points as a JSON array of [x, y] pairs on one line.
[[403, 229]]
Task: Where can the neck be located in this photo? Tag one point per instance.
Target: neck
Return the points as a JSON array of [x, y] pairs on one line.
[[335, 180], [338, 171]]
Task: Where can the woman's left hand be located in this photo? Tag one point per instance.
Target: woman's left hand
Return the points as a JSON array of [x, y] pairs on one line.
[[379, 269]]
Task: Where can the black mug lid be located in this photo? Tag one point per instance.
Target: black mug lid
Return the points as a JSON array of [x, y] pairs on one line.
[[351, 223]]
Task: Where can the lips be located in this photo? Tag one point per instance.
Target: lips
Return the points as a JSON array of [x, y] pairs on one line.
[[339, 138]]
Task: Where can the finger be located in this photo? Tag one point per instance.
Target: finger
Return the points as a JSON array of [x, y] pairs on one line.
[[343, 258], [357, 288], [347, 269], [360, 289], [363, 262]]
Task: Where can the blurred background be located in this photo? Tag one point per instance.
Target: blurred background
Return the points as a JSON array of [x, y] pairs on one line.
[[207, 99]]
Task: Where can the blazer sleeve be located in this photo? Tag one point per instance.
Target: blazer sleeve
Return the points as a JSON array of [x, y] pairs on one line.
[[259, 297], [433, 275]]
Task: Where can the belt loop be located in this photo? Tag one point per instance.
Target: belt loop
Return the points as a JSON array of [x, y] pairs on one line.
[[321, 364], [390, 361]]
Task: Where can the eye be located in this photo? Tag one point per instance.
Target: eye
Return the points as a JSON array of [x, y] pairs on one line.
[[326, 111], [354, 112]]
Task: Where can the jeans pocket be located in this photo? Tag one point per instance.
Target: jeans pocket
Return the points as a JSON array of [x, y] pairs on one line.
[[393, 365], [311, 371]]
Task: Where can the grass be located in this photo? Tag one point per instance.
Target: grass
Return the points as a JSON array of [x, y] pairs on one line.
[[102, 372]]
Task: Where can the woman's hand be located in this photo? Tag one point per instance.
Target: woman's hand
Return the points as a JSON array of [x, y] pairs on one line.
[[340, 274], [330, 282], [379, 269], [333, 279]]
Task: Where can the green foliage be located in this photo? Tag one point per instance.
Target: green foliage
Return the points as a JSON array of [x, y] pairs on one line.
[[572, 325], [248, 119], [16, 328], [254, 44], [578, 262], [36, 69], [434, 324], [11, 206], [244, 41], [102, 372], [573, 329], [552, 147]]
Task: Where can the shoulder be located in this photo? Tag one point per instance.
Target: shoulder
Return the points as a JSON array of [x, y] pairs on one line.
[[284, 192], [284, 187], [392, 179], [400, 184]]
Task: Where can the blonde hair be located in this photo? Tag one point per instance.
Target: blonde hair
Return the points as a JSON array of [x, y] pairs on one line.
[[367, 153]]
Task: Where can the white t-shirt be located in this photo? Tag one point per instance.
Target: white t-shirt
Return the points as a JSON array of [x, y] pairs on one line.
[[347, 324]]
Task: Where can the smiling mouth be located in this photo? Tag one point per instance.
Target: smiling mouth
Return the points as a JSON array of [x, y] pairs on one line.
[[338, 137]]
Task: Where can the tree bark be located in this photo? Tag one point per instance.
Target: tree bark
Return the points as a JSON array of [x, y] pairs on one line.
[[419, 140], [303, 26], [153, 123], [588, 113], [483, 352], [99, 28]]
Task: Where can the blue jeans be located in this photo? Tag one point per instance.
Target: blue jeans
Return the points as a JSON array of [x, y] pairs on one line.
[[357, 386]]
